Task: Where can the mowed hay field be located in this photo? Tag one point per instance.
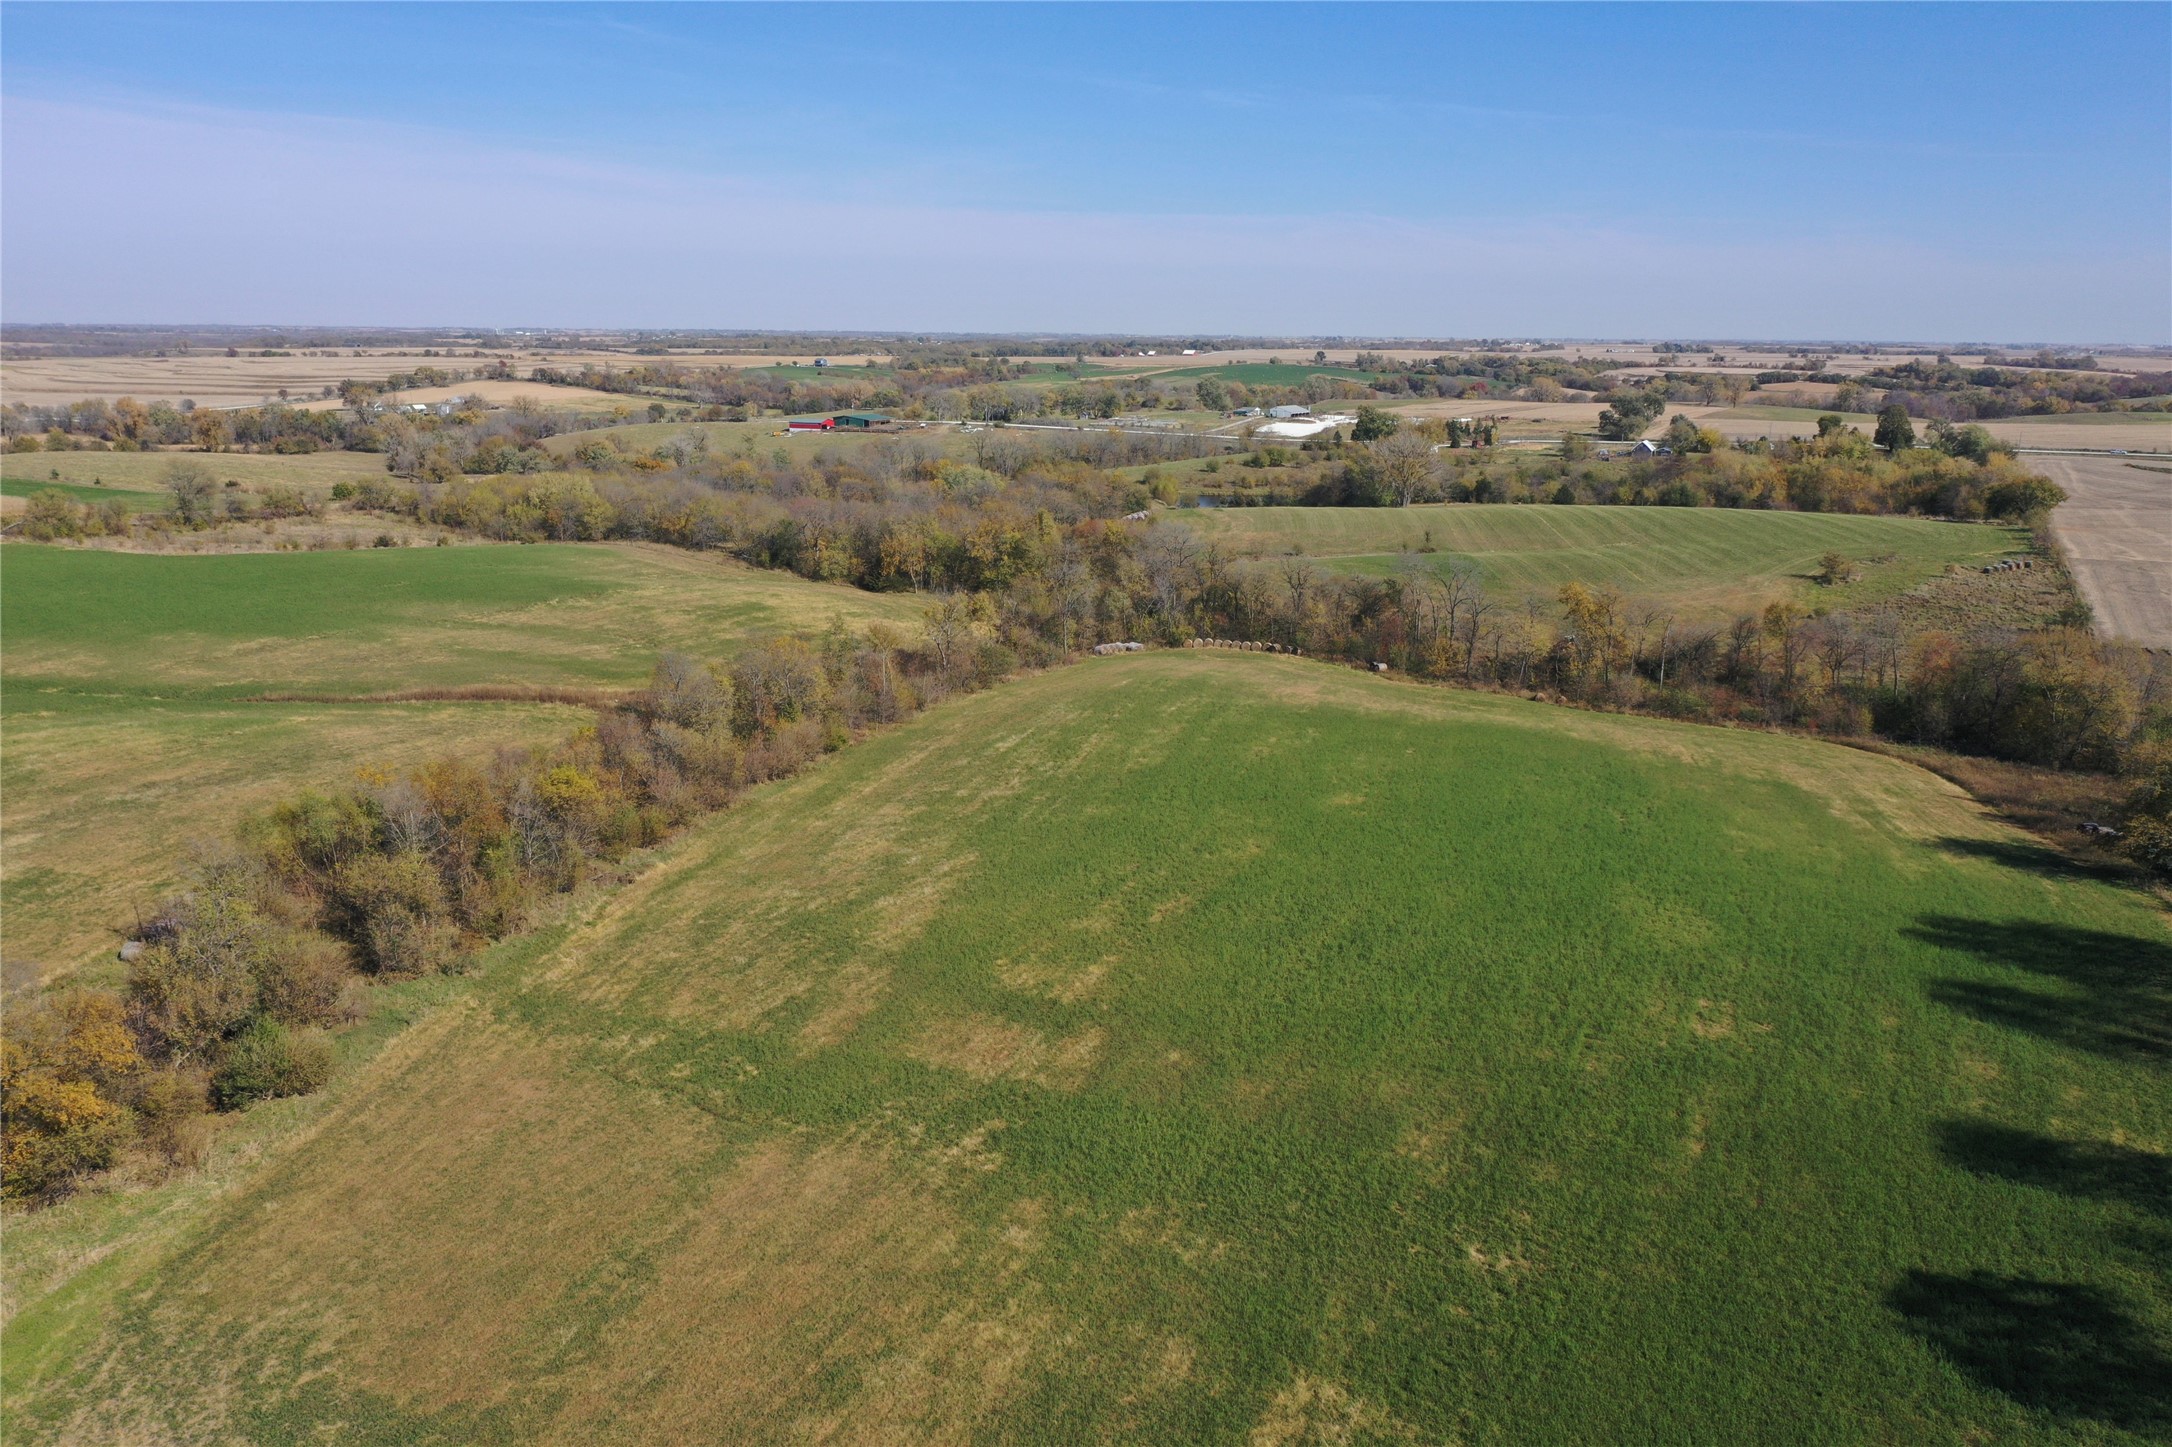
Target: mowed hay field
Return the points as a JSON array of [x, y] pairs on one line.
[[1216, 1048], [130, 726], [1701, 562], [146, 471]]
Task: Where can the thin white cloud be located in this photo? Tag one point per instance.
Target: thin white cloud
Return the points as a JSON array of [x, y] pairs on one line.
[[135, 213]]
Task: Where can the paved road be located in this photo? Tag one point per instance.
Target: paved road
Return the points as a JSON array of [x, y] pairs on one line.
[[2117, 527]]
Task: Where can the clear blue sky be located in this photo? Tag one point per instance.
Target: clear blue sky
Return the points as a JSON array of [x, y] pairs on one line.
[[1955, 172]]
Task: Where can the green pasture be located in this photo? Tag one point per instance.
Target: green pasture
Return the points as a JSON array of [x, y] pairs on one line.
[[858, 371], [2091, 419], [1701, 561], [1808, 416], [131, 498], [758, 438], [1210, 1048], [130, 730], [1262, 374], [146, 471]]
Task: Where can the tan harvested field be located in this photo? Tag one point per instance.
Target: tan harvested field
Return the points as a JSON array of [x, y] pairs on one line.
[[502, 394], [2116, 526], [2088, 431], [209, 380], [1295, 355], [212, 379]]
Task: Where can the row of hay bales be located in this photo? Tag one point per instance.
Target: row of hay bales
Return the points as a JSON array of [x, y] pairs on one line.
[[1241, 644], [2009, 564], [1106, 648]]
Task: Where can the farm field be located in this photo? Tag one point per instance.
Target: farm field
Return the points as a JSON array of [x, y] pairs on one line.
[[1199, 1047], [211, 379], [2098, 431], [2137, 432], [144, 471], [503, 393], [131, 734], [1521, 418], [2116, 526], [763, 437], [1701, 562], [1749, 421], [16, 490]]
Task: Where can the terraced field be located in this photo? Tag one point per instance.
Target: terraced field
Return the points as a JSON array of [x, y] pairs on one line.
[[1210, 1048], [1698, 561], [128, 712]]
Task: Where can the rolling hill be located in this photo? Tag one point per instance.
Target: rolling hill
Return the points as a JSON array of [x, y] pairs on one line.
[[1209, 1048]]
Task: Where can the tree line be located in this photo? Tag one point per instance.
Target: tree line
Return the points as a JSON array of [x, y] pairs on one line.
[[235, 985]]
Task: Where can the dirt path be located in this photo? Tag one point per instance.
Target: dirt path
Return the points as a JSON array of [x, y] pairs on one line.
[[2117, 528]]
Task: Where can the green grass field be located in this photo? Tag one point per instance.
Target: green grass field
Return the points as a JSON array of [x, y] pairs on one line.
[[729, 439], [1808, 416], [1702, 562], [143, 471], [131, 498], [1212, 1048], [1252, 374], [129, 733]]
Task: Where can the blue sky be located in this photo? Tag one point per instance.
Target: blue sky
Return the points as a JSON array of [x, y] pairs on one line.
[[1865, 172]]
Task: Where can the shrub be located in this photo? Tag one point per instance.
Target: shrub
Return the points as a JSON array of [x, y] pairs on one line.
[[302, 977], [65, 1065], [192, 487], [1835, 569], [393, 907], [2023, 497], [266, 1061], [200, 983], [170, 1112], [49, 515], [2147, 838]]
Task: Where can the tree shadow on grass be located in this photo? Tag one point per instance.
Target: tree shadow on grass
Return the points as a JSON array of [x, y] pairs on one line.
[[2093, 1170], [2059, 1347], [2038, 859], [2118, 995]]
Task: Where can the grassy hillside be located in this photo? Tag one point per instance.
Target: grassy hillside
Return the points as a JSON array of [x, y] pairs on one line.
[[1214, 1048], [1700, 560], [145, 470], [129, 731], [130, 498]]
